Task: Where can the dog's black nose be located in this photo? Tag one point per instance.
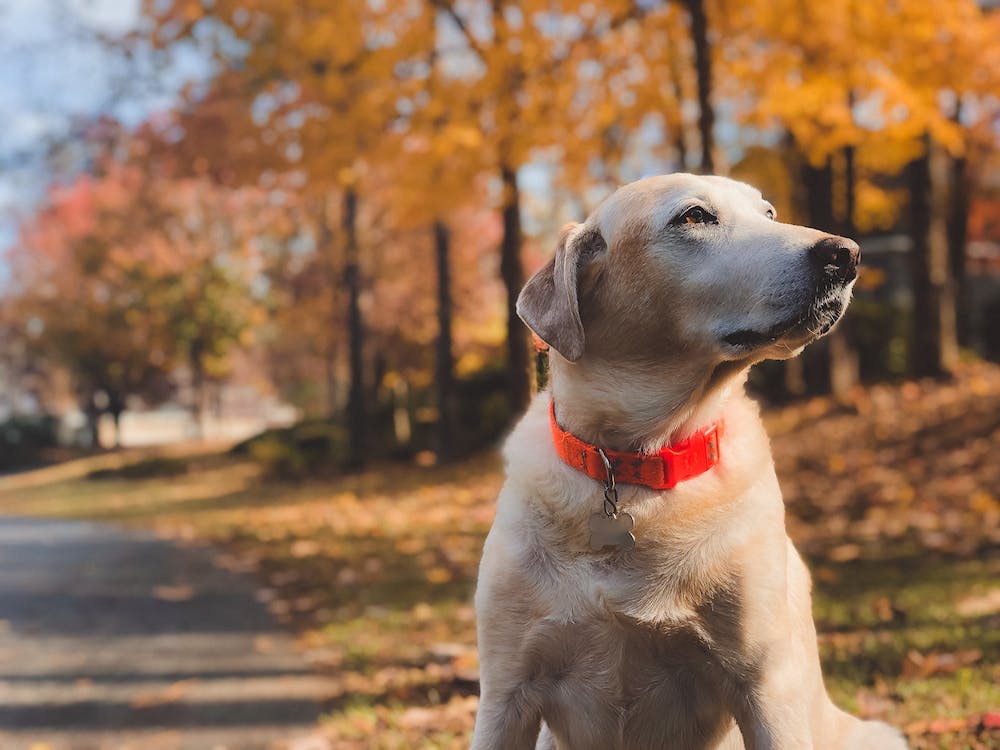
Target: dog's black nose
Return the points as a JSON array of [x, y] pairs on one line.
[[836, 255]]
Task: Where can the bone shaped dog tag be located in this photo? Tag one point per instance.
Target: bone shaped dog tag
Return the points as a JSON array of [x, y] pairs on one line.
[[611, 531]]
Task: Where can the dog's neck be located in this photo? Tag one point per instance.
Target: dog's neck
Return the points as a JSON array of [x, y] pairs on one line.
[[636, 407]]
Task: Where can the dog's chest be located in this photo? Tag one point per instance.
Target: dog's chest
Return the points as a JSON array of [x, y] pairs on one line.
[[609, 682]]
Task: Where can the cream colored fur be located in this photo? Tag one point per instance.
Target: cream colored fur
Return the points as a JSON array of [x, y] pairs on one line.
[[702, 636]]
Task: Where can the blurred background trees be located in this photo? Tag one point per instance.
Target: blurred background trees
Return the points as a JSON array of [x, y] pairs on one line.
[[341, 206]]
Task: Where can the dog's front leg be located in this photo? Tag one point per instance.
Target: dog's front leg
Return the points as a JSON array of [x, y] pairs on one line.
[[781, 678], [509, 716], [510, 710], [508, 721], [774, 711]]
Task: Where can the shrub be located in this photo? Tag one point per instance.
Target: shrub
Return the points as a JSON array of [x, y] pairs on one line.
[[148, 468], [308, 448], [24, 440]]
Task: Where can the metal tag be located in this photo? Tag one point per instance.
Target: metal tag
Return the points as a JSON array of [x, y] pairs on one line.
[[611, 531]]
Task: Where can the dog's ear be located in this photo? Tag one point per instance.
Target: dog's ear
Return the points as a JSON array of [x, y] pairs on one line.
[[549, 303]]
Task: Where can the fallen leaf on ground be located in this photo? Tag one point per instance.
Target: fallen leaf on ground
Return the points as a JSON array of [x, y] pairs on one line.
[[938, 663], [177, 593]]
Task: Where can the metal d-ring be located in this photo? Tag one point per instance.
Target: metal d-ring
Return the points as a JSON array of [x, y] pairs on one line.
[[610, 490]]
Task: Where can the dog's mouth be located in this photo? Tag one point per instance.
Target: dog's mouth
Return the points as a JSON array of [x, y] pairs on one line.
[[751, 338], [816, 321]]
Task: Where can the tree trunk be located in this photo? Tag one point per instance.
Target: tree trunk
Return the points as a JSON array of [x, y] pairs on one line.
[[195, 353], [330, 386], [115, 407], [843, 355], [511, 266], [327, 253], [836, 353], [842, 361], [402, 427], [794, 377], [677, 88], [356, 427], [933, 342], [818, 184], [116, 417], [850, 191], [445, 366], [958, 224], [92, 415], [512, 274], [703, 65]]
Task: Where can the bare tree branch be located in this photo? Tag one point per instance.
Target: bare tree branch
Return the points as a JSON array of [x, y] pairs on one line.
[[449, 10]]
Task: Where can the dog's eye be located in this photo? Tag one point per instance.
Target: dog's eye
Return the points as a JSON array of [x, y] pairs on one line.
[[695, 215], [771, 214]]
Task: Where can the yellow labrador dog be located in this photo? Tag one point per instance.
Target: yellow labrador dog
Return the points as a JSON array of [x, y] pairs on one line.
[[638, 589]]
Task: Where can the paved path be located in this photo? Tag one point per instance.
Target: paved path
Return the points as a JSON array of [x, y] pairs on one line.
[[114, 639]]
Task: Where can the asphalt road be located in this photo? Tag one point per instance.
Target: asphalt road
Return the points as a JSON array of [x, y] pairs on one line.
[[112, 639]]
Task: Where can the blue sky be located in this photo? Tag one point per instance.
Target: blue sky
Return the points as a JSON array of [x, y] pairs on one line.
[[54, 72]]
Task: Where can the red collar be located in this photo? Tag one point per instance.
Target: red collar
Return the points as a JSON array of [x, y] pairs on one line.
[[662, 470]]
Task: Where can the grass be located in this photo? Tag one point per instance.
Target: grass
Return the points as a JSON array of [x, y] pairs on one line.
[[910, 641], [376, 570]]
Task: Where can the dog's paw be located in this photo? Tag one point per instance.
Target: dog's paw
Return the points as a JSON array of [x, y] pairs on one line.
[[874, 735]]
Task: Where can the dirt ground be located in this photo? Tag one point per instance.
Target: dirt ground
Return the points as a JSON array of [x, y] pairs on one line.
[[117, 639]]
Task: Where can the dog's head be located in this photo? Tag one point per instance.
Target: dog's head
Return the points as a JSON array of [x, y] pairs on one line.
[[696, 265]]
